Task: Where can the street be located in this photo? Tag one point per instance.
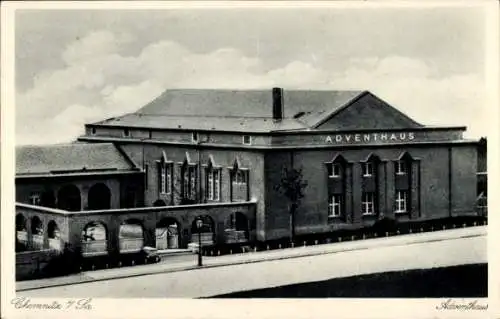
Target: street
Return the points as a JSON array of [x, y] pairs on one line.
[[220, 280]]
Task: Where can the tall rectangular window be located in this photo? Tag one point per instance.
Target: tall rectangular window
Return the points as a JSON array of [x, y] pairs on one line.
[[194, 137], [185, 183], [146, 179], [163, 179], [335, 206], [401, 168], [210, 185], [192, 177], [169, 172], [401, 201], [367, 169], [213, 184], [216, 185], [368, 204]]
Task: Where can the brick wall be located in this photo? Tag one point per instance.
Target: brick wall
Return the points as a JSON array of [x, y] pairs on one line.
[[430, 178]]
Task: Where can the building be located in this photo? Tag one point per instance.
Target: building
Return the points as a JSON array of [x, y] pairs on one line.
[[203, 150]]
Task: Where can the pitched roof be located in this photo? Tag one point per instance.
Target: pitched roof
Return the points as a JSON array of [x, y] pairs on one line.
[[234, 110], [70, 158]]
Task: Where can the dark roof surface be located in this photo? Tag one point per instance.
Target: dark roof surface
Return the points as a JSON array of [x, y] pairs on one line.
[[234, 110], [63, 158]]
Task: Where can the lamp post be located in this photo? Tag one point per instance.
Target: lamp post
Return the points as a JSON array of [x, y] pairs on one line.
[[199, 224]]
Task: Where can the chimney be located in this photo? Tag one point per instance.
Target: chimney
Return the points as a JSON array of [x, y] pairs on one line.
[[277, 104]]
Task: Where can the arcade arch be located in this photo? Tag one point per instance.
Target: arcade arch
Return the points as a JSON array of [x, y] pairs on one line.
[[168, 232], [68, 198], [99, 197]]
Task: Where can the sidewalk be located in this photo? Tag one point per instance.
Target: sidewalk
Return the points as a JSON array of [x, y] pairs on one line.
[[227, 260]]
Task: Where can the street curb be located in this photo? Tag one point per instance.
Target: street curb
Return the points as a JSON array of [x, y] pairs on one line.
[[272, 258]]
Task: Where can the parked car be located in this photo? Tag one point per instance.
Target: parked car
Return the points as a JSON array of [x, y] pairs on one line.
[[151, 255]]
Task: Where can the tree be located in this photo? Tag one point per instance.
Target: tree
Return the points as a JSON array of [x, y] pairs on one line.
[[292, 186]]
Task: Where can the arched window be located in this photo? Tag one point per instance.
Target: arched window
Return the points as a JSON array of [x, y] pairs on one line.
[[68, 198], [168, 230], [99, 197], [237, 228], [131, 236], [53, 230]]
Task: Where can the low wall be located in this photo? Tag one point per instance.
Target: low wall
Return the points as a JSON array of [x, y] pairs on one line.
[[31, 264]]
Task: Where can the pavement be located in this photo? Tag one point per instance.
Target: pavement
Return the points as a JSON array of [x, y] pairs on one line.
[[108, 275]]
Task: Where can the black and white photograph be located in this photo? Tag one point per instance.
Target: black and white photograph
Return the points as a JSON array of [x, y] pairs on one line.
[[223, 151]]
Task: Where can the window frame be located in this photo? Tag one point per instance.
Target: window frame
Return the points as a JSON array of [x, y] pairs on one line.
[[249, 142], [215, 184], [210, 182], [332, 167], [401, 201], [165, 175], [368, 169], [195, 137], [163, 178], [186, 194], [192, 181], [367, 203], [401, 164], [239, 177], [169, 171], [335, 202]]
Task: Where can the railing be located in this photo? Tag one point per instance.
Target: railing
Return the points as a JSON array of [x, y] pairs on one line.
[[482, 205], [94, 247], [206, 238], [55, 243], [235, 236], [131, 245], [37, 242], [167, 242], [22, 237]]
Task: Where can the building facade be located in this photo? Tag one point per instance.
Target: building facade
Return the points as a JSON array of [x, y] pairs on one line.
[[361, 158]]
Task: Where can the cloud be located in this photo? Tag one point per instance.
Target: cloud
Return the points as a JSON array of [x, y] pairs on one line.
[[411, 86], [98, 81], [94, 46]]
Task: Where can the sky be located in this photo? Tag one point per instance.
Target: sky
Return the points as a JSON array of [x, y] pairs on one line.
[[80, 66]]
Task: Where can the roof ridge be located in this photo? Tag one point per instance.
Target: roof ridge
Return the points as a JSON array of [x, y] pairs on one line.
[[61, 145], [261, 89]]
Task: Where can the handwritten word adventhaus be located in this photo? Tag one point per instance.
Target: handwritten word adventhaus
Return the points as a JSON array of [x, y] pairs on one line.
[[26, 303], [461, 306], [371, 137]]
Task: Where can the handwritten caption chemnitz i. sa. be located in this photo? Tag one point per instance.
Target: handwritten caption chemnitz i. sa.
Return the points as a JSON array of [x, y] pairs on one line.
[[72, 304]]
